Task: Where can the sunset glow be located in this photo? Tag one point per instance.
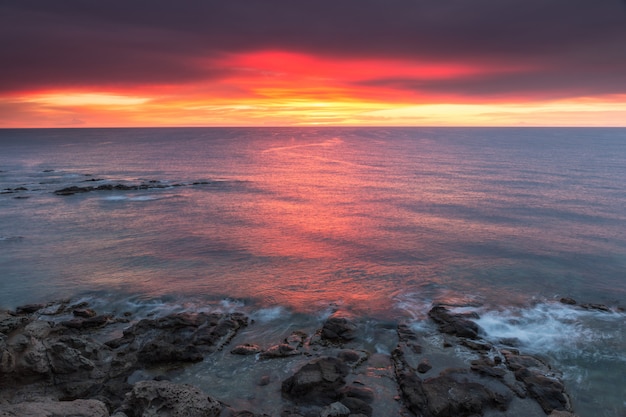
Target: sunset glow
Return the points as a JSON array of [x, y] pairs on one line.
[[412, 70]]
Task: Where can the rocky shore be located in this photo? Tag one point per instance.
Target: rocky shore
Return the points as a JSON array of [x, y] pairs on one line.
[[65, 359]]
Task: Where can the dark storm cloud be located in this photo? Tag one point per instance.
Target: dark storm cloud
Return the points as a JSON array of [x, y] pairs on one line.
[[86, 42]]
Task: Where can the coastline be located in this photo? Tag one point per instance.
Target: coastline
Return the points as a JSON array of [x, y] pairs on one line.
[[66, 354]]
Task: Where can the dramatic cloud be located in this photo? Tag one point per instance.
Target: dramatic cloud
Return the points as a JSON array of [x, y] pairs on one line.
[[396, 51]]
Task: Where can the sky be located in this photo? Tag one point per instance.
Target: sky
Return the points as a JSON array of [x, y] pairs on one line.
[[94, 63]]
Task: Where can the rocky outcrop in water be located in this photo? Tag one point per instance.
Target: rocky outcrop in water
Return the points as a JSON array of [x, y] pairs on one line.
[[56, 360], [109, 187], [149, 185]]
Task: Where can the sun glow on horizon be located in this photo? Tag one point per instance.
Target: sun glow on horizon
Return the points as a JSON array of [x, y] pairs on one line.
[[278, 88]]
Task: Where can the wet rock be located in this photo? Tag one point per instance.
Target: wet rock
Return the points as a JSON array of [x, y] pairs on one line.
[[29, 308], [296, 339], [405, 333], [77, 408], [335, 409], [279, 351], [164, 398], [450, 395], [567, 300], [246, 349], [317, 382], [88, 323], [9, 322], [515, 362], [350, 356], [412, 392], [338, 329], [548, 392], [362, 393], [598, 307], [424, 366], [184, 335], [477, 346], [486, 367], [357, 406], [158, 351], [454, 324], [86, 313], [242, 413], [559, 413]]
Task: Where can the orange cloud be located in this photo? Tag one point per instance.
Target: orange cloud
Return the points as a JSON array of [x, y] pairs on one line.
[[283, 88]]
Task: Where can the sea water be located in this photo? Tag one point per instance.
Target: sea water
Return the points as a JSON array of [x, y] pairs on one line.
[[289, 224]]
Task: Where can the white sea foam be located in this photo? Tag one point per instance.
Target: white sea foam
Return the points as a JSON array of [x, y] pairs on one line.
[[132, 198], [265, 315], [556, 328]]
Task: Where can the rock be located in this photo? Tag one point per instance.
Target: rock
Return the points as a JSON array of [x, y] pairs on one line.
[[338, 330], [357, 406], [486, 367], [158, 351], [179, 337], [405, 333], [246, 349], [318, 382], [454, 324], [350, 356], [568, 300], [559, 413], [296, 339], [9, 322], [478, 346], [335, 409], [598, 307], [412, 392], [89, 323], [76, 408], [164, 398], [29, 308], [424, 366], [86, 313], [548, 392], [362, 393], [450, 395], [279, 351]]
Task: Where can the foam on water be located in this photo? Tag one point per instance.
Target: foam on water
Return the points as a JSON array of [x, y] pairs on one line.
[[131, 198], [555, 328], [266, 315]]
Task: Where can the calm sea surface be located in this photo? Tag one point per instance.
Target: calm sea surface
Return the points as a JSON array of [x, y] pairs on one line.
[[381, 222]]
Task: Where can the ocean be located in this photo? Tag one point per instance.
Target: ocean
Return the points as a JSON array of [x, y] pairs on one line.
[[289, 224]]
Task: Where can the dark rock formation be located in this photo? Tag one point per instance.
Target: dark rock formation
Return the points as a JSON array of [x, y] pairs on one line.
[[181, 337], [454, 324], [163, 398], [246, 349], [338, 329], [568, 300], [108, 187], [44, 361], [318, 382], [281, 350], [152, 184]]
